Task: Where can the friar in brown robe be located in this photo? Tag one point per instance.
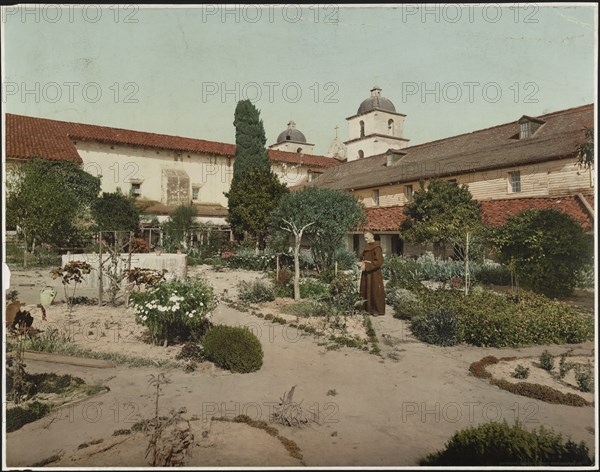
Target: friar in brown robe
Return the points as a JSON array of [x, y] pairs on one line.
[[371, 280]]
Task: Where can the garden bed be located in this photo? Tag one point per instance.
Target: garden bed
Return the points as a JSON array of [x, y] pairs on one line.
[[505, 367], [43, 393], [352, 326], [105, 332]]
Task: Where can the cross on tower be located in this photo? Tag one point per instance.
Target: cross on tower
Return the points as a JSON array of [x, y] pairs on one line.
[[336, 131]]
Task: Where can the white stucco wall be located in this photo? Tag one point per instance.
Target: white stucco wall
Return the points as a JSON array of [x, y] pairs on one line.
[[376, 122], [120, 166]]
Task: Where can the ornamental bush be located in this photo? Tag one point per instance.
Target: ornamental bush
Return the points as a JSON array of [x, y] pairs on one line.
[[547, 249], [498, 444], [489, 319], [406, 303], [438, 327], [257, 291], [174, 311], [233, 348]]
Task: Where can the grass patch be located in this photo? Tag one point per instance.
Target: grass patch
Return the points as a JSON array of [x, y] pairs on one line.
[[19, 416], [65, 348]]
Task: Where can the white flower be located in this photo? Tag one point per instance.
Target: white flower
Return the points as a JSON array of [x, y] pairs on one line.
[[162, 308], [144, 318], [191, 315], [201, 303]]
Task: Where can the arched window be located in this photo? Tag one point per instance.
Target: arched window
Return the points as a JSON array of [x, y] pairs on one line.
[[299, 150], [362, 129], [391, 126], [361, 154]]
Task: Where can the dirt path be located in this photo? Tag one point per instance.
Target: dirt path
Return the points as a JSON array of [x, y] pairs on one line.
[[372, 410]]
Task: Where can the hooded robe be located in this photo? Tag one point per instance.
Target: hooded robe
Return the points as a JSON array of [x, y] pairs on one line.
[[371, 279]]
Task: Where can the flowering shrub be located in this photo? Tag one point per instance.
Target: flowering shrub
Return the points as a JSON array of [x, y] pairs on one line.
[[176, 310]]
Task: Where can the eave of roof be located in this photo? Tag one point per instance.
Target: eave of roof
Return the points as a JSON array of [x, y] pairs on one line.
[[53, 139], [377, 135], [376, 109]]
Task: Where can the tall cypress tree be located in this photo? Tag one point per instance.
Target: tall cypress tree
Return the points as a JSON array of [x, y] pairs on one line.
[[255, 189], [250, 140]]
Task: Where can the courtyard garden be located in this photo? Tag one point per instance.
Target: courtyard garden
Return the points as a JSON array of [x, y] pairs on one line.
[[257, 350]]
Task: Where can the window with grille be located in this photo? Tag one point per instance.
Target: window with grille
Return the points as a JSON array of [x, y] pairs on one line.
[[515, 181], [376, 197], [195, 193], [409, 193]]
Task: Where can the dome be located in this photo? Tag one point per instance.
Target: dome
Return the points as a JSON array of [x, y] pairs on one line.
[[376, 101], [291, 134]]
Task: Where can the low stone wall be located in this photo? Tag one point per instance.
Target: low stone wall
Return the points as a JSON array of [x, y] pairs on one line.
[[176, 265]]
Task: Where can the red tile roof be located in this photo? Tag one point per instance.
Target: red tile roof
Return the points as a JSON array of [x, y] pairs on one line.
[[493, 212], [384, 218], [28, 136], [496, 212]]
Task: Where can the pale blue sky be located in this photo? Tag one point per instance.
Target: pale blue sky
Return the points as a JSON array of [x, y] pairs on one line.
[[175, 64]]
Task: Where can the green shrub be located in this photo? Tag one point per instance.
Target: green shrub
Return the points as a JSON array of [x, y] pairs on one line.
[[564, 367], [585, 277], [247, 259], [438, 327], [584, 376], [343, 294], [405, 302], [495, 274], [176, 310], [498, 444], [310, 307], [19, 416], [257, 291], [547, 249], [311, 288], [402, 272], [489, 319], [547, 361], [233, 348], [345, 258], [520, 372]]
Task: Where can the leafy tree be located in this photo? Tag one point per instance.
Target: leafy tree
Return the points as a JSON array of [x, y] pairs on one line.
[[115, 212], [250, 140], [180, 227], [546, 249], [325, 215], [586, 150], [253, 197], [441, 214], [446, 213], [46, 198]]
